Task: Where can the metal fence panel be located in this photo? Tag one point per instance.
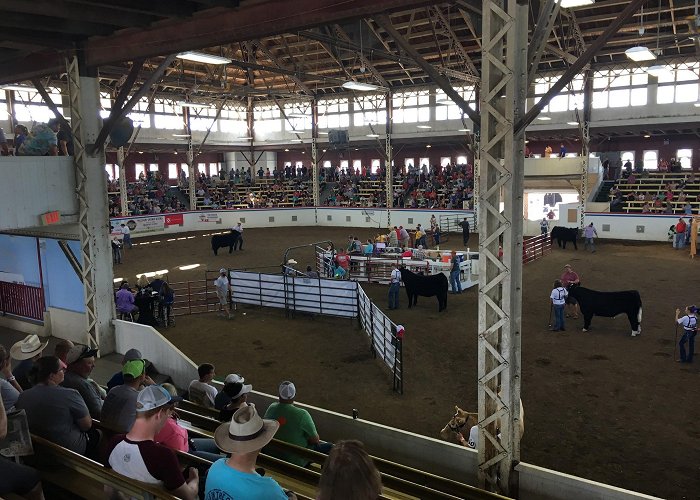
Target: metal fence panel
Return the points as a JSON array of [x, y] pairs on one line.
[[22, 300]]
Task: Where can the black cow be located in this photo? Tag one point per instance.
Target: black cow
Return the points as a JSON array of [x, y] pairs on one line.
[[609, 305], [425, 286], [224, 240], [564, 234]]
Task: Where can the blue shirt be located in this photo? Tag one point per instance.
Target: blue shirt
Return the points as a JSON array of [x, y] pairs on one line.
[[226, 483]]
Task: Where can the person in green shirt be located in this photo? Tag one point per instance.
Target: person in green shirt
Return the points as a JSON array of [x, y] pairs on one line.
[[296, 426]]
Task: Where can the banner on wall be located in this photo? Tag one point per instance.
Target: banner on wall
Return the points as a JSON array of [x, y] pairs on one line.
[[174, 220], [209, 217], [146, 224]]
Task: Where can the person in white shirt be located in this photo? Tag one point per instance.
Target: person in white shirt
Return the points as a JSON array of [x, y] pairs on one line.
[[127, 235], [689, 322], [223, 286], [201, 391], [558, 297], [394, 286], [238, 245]]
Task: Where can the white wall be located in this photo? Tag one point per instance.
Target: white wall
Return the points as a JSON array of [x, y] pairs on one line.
[[33, 185], [640, 227], [68, 325]]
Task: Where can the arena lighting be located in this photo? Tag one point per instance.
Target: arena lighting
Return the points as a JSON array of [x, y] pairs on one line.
[[658, 70], [428, 146], [19, 88], [202, 57], [181, 135], [297, 115], [444, 102], [646, 136], [544, 118], [363, 87], [372, 135], [323, 133], [572, 123], [697, 104], [640, 53], [117, 280], [570, 4], [286, 149], [463, 130], [423, 126], [297, 140], [195, 105]]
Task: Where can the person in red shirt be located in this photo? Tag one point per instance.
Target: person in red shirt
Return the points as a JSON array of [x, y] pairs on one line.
[[569, 277], [343, 260], [679, 238]]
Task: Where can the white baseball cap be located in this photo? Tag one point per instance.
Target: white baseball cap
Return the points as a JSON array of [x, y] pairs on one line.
[[287, 390], [232, 378]]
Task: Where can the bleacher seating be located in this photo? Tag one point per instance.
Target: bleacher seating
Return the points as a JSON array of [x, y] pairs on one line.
[[656, 193], [266, 192]]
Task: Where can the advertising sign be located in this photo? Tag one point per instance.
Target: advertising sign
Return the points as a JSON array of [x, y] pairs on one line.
[[174, 219], [209, 217], [145, 224]]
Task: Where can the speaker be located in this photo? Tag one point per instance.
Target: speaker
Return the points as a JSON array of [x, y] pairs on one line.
[[121, 133], [338, 137]]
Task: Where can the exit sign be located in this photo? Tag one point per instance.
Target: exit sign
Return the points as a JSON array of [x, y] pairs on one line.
[[51, 218]]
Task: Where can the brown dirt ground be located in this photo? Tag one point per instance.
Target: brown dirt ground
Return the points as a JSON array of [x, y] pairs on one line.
[[600, 405]]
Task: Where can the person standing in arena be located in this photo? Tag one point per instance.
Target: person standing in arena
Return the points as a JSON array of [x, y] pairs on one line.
[[690, 330], [569, 277], [454, 273], [238, 245], [589, 233], [465, 231], [394, 286], [223, 286], [558, 297], [679, 238]]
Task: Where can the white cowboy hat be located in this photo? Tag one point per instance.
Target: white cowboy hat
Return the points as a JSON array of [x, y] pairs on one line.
[[27, 348], [292, 261], [246, 432]]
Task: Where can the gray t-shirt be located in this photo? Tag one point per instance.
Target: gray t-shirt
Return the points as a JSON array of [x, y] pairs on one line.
[[119, 408], [53, 412], [92, 399], [8, 394]]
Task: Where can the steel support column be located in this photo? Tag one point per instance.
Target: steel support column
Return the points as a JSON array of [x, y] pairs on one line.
[[189, 157], [124, 203], [315, 185], [93, 225], [389, 157], [503, 90], [585, 125]]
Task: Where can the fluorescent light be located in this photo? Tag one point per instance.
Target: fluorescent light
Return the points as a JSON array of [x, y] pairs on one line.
[[646, 136], [20, 88], [323, 133], [658, 70], [117, 280], [372, 135], [195, 105], [188, 267], [181, 135], [544, 118], [569, 4], [423, 126], [639, 53], [444, 102], [242, 138], [428, 146], [572, 123], [297, 115], [203, 57], [463, 130], [364, 87], [286, 149], [297, 140], [697, 104]]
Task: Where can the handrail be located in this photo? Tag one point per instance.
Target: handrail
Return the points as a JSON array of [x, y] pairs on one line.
[[394, 475], [96, 470]]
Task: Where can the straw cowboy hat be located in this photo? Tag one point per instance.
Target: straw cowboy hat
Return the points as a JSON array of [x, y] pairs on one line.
[[246, 432], [27, 348]]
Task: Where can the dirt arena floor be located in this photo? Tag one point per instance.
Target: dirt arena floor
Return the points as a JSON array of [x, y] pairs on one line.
[[600, 405]]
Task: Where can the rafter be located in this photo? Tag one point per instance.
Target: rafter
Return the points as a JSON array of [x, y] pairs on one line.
[[267, 53], [456, 43], [340, 33]]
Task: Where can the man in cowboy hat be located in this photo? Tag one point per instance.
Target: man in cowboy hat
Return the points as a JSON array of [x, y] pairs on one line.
[[235, 477], [138, 456], [26, 351], [81, 361], [223, 287]]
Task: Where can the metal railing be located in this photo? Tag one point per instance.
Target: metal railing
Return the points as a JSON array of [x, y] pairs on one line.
[[22, 300], [536, 247]]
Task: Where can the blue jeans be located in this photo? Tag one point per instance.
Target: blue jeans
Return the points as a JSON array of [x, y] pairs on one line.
[[558, 316], [394, 295], [454, 282], [688, 337], [589, 243], [205, 448], [127, 240], [679, 240]]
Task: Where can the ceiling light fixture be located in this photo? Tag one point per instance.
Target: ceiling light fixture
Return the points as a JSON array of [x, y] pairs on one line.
[[428, 146], [242, 138], [697, 104], [296, 115], [181, 135], [445, 101], [423, 126], [297, 140], [544, 118], [463, 130], [572, 123], [658, 70], [195, 105], [19, 88], [570, 4], [646, 136], [286, 149], [203, 57], [373, 135], [362, 87], [323, 133], [640, 53]]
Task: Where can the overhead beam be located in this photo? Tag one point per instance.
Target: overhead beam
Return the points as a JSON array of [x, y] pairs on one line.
[[580, 63], [386, 46], [160, 8], [80, 13], [268, 53], [36, 38], [49, 24], [456, 43], [545, 22], [49, 102], [115, 117], [340, 33], [385, 23]]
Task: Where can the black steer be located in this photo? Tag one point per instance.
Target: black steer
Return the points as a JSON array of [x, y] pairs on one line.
[[224, 240], [425, 286], [609, 305], [564, 235]]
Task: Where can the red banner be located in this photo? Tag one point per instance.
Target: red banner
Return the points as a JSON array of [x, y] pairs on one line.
[[174, 220]]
